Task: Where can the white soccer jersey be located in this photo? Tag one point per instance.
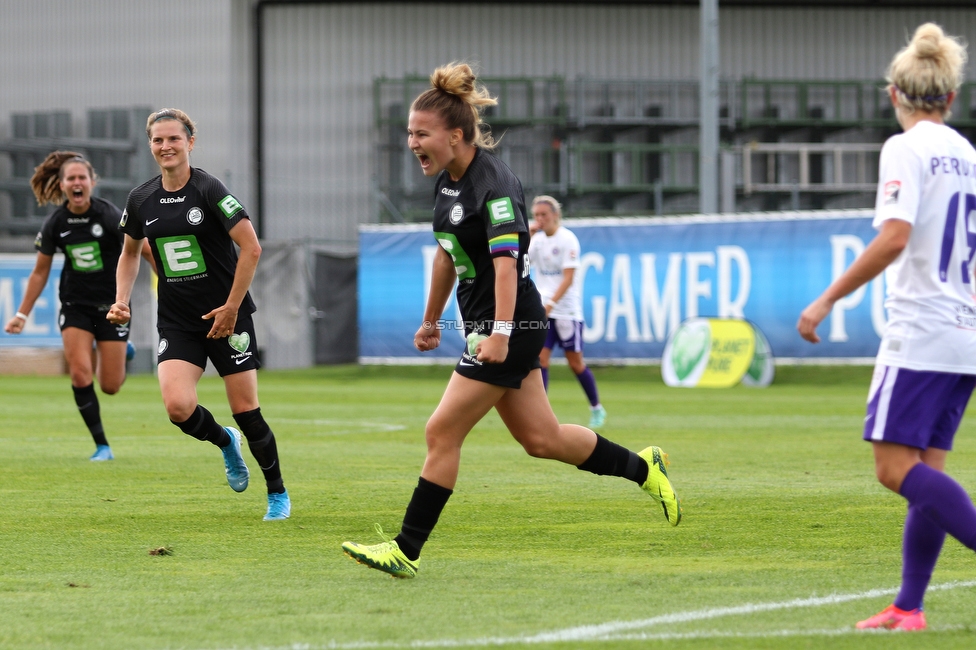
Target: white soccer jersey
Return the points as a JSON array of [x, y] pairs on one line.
[[548, 256], [927, 177]]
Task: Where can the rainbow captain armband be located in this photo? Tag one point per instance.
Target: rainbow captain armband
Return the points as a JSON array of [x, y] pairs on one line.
[[504, 244]]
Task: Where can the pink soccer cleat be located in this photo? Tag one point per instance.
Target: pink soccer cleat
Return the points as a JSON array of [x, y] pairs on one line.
[[893, 618]]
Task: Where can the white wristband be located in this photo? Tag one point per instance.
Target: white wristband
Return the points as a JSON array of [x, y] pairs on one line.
[[21, 315], [503, 327]]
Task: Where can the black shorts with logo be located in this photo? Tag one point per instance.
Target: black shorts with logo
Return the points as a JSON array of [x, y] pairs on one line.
[[91, 318], [524, 347], [229, 355]]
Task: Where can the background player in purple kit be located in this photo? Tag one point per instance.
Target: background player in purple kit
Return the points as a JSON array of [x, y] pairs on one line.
[[926, 365], [204, 311], [86, 229], [554, 254], [482, 232]]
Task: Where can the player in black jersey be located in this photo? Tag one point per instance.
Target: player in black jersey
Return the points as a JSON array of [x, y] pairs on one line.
[[480, 224], [86, 230], [192, 223]]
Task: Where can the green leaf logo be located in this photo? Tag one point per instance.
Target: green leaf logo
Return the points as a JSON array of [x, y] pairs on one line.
[[240, 342], [688, 348]]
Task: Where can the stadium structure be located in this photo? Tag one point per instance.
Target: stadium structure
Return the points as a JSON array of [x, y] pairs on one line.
[[301, 108]]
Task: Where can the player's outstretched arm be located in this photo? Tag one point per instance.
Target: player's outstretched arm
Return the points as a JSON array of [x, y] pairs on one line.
[[225, 316], [35, 285], [881, 252], [125, 278], [442, 277]]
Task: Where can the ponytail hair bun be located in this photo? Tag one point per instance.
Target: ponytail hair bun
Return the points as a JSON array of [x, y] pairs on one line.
[[926, 70], [458, 98]]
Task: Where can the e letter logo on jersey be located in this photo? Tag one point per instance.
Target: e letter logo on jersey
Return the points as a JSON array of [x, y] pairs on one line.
[[229, 206], [85, 258], [891, 189], [501, 211], [181, 256]]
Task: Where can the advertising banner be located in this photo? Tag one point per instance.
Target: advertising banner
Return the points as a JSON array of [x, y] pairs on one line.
[[716, 353], [41, 329], [642, 277]]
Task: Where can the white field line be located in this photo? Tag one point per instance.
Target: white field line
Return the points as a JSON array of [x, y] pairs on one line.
[[619, 630]]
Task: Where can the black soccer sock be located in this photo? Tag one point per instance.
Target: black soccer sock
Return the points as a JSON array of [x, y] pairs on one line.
[[202, 426], [610, 459], [425, 508], [261, 442], [87, 402]]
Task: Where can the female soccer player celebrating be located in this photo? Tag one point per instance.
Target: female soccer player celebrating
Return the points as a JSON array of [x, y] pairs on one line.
[[926, 365], [480, 225], [86, 229], [192, 223], [554, 255]]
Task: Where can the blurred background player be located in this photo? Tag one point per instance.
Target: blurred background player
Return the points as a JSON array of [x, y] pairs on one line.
[[554, 255], [926, 365], [482, 232], [86, 229], [204, 311]]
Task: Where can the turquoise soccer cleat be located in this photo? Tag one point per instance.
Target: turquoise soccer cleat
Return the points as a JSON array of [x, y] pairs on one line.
[[279, 506], [237, 474], [102, 452]]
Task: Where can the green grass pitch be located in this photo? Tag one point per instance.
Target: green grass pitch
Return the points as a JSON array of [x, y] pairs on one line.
[[787, 539]]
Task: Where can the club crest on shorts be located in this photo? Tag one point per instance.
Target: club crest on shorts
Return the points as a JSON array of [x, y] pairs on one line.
[[194, 216], [457, 213], [163, 344]]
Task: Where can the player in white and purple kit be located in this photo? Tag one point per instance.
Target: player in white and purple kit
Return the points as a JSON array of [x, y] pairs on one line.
[[926, 365], [554, 254]]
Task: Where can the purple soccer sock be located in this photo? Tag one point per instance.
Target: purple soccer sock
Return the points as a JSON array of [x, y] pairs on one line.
[[920, 550], [545, 379], [588, 382], [943, 501]]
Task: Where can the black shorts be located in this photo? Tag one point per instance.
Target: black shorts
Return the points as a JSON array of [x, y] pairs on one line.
[[91, 318], [524, 347], [229, 355]]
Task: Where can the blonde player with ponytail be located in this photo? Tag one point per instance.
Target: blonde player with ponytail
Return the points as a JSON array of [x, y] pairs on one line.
[[481, 226], [926, 364]]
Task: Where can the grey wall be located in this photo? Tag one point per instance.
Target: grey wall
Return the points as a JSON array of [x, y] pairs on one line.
[[321, 61], [123, 53]]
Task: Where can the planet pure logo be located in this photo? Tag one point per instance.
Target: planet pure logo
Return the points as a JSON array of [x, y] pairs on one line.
[[686, 354], [716, 353], [240, 342]]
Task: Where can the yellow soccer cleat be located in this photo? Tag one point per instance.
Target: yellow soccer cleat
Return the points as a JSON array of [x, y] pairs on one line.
[[385, 556], [658, 485]]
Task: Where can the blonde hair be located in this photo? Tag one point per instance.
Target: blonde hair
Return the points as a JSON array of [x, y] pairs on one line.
[[925, 71], [551, 202], [46, 181], [457, 97], [171, 114]]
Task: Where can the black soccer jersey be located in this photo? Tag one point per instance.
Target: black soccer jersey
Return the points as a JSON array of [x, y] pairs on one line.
[[477, 218], [195, 256], [91, 243]]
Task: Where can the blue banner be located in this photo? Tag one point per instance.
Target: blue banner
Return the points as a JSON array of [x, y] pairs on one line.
[[41, 329], [642, 277]]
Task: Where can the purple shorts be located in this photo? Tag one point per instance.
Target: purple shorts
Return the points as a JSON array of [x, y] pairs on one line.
[[916, 408], [568, 333]]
